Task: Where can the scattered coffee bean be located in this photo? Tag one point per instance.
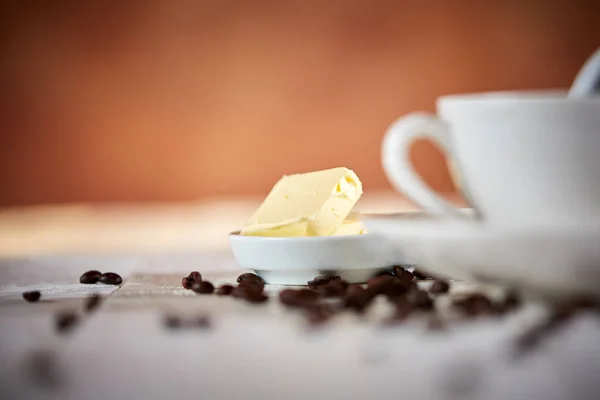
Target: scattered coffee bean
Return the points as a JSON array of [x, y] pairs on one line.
[[42, 368], [32, 296], [403, 274], [110, 278], [90, 277], [334, 288], [436, 324], [250, 291], [172, 321], [420, 275], [176, 322], [420, 299], [358, 299], [204, 287], [188, 281], [251, 278], [384, 273], [476, 305], [92, 302], [439, 286], [298, 298], [66, 321], [317, 314], [225, 290], [321, 280]]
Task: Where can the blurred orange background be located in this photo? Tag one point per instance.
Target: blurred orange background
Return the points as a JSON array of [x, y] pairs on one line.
[[115, 101]]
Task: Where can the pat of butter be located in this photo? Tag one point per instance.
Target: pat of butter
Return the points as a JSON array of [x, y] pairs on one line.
[[351, 226], [310, 204]]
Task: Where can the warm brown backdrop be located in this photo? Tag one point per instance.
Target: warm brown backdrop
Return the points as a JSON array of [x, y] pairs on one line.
[[176, 100]]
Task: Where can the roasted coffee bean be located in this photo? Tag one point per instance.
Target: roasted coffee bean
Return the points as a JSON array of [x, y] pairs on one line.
[[439, 286], [43, 369], [110, 278], [388, 285], [321, 280], [334, 288], [298, 298], [355, 290], [225, 290], [66, 321], [420, 299], [195, 276], [249, 277], [358, 300], [317, 314], [250, 292], [256, 297], [403, 274], [436, 324], [475, 305], [204, 287], [172, 321], [187, 282], [420, 275], [32, 296], [92, 302], [90, 277]]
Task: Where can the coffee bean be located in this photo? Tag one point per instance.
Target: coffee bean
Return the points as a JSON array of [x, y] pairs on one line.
[[110, 278], [66, 321], [317, 314], [439, 286], [92, 302], [225, 290], [403, 274], [321, 280], [90, 277], [43, 369], [358, 300], [476, 305], [389, 285], [420, 275], [250, 291], [195, 276], [249, 277], [420, 299], [298, 298], [172, 321], [204, 287], [334, 288], [187, 282], [436, 324], [32, 296]]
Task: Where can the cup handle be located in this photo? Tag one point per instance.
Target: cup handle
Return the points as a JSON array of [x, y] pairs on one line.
[[399, 168]]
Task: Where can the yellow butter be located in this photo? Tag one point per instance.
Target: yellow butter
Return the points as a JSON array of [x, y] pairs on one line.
[[350, 226], [310, 204]]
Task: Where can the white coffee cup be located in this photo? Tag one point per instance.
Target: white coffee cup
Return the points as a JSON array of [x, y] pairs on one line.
[[522, 158]]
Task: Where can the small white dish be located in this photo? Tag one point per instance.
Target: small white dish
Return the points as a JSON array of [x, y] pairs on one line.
[[297, 260], [548, 263]]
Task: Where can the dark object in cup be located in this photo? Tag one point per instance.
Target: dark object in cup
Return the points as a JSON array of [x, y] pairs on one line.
[[92, 303], [403, 274], [111, 278], [204, 287], [66, 321], [32, 296], [439, 286], [225, 290], [90, 277]]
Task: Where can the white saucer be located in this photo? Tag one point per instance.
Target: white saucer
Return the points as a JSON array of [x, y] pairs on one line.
[[550, 263], [297, 260]]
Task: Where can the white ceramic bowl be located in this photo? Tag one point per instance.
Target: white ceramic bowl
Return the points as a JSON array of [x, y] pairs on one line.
[[296, 260]]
